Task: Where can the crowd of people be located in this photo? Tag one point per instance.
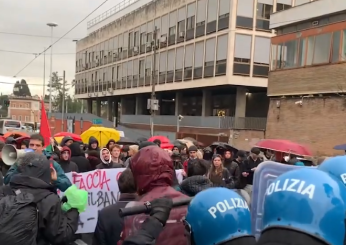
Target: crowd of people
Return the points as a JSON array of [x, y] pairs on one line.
[[219, 182]]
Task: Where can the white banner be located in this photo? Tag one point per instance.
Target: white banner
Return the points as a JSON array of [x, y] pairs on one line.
[[103, 191]]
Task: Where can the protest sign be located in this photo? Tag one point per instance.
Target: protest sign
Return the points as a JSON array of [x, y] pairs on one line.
[[102, 188]]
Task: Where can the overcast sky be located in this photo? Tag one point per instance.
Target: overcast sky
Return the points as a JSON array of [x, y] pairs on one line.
[[30, 17]]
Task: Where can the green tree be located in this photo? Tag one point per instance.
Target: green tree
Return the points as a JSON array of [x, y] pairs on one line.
[[58, 93], [3, 108]]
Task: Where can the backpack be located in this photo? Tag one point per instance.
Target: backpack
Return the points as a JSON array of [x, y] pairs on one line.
[[18, 217]]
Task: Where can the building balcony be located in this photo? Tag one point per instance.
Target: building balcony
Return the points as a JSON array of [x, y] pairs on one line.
[[249, 123]]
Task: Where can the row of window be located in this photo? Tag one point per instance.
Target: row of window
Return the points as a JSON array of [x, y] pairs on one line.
[[200, 60], [264, 8], [14, 105], [313, 50], [189, 22], [19, 118]]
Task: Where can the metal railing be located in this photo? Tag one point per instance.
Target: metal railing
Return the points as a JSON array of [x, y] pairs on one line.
[[255, 123], [120, 6]]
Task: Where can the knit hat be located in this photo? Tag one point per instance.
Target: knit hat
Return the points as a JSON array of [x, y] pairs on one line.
[[193, 148]]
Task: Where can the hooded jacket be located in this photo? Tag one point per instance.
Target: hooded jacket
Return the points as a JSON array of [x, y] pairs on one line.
[[58, 227], [68, 166], [65, 139], [62, 183], [154, 182], [78, 157], [107, 164], [92, 140]]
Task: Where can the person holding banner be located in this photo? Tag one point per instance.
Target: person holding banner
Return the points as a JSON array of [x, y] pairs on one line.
[[37, 144]]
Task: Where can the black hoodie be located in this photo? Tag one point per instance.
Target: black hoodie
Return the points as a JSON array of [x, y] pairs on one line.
[[58, 227], [68, 166], [78, 157], [92, 140]]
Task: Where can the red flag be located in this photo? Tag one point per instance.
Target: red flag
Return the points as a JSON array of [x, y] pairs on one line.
[[44, 127]]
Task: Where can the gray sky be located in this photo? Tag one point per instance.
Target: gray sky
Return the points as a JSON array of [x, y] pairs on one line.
[[30, 17]]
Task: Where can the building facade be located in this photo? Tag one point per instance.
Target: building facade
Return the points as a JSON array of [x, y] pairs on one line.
[[25, 109], [306, 84], [212, 56]]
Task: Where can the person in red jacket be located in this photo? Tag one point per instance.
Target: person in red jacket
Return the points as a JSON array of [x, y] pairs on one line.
[[153, 172]]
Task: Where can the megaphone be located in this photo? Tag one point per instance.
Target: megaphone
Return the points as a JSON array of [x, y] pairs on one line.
[[10, 154]]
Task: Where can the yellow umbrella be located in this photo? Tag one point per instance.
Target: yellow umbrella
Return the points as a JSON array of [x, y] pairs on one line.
[[59, 139], [102, 134]]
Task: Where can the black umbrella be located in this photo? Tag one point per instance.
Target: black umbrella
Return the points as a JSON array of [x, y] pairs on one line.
[[222, 146], [126, 141]]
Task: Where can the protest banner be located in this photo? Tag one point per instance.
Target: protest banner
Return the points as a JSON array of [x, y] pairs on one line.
[[102, 188]]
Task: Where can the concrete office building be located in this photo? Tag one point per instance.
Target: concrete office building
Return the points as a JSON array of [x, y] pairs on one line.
[[212, 59], [307, 85]]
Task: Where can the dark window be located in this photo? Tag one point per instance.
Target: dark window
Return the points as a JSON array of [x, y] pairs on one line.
[[263, 16], [171, 35], [190, 28], [281, 6], [244, 22], [200, 29], [241, 67], [143, 42], [223, 22], [260, 70], [181, 31]]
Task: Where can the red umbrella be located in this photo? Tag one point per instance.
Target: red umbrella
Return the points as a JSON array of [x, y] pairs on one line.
[[163, 139], [75, 137], [20, 140], [167, 146], [284, 146]]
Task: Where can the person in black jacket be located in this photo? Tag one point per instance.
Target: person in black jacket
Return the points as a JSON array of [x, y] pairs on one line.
[[250, 165], [154, 224], [109, 224], [78, 157], [65, 161], [35, 177]]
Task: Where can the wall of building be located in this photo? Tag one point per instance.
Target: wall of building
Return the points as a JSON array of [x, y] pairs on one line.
[[24, 110], [247, 46], [319, 122], [309, 80]]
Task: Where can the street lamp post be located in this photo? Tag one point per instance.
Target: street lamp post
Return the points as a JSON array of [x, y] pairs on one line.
[[51, 25]]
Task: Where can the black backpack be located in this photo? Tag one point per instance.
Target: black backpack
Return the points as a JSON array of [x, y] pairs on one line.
[[19, 217]]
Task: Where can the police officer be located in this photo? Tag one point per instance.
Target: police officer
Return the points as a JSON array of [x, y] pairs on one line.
[[304, 207], [335, 166], [218, 216]]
